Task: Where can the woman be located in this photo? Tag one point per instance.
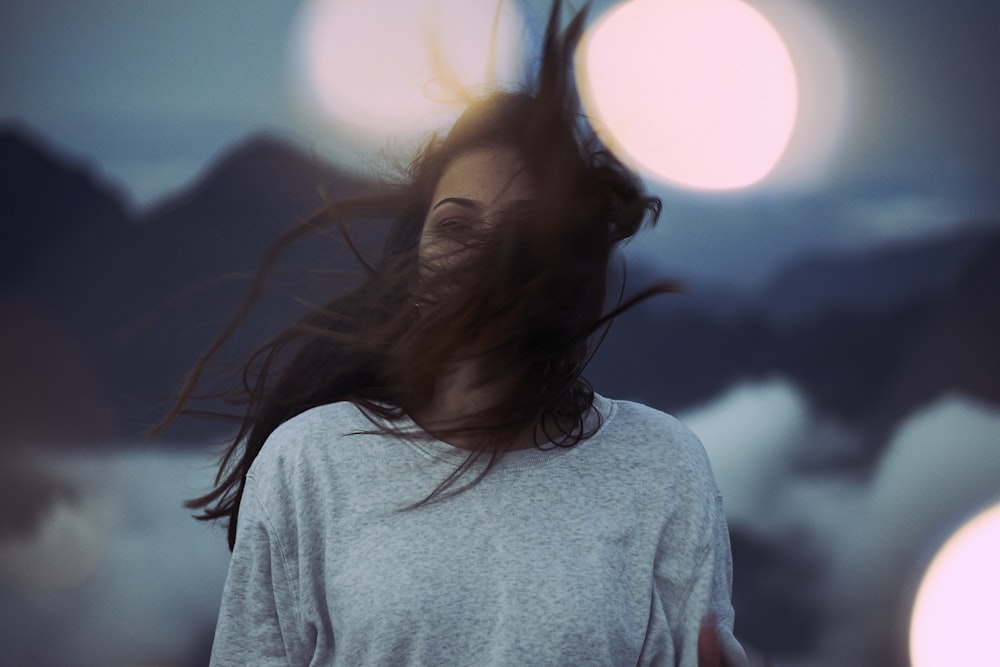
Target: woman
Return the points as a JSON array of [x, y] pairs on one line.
[[422, 476]]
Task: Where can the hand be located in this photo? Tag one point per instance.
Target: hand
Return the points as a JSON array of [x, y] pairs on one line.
[[710, 649]]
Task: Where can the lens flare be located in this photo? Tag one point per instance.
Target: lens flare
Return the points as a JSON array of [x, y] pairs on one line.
[[955, 613], [699, 93]]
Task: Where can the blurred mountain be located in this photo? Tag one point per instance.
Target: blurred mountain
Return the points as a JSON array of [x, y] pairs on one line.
[[53, 212], [128, 302], [868, 339], [47, 202], [205, 245], [870, 281], [108, 310], [956, 347]]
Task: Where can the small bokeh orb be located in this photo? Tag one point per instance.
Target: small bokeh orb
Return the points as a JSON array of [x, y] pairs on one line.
[[698, 93], [384, 68], [955, 617]]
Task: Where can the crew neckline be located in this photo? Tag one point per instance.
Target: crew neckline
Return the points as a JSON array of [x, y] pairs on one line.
[[518, 459]]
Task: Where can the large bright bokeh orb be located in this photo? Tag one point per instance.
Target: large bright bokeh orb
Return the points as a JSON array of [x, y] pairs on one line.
[[955, 617], [385, 67], [699, 93]]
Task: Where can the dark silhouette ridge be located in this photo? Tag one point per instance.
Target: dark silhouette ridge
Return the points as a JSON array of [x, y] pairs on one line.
[[849, 361], [955, 350], [873, 280], [137, 297], [47, 202]]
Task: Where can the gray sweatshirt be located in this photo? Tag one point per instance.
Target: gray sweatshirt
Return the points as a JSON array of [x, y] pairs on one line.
[[609, 552]]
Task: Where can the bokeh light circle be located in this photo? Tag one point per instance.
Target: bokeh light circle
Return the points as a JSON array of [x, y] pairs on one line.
[[700, 93], [955, 613], [384, 67]]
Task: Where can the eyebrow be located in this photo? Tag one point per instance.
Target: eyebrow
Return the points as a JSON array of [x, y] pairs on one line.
[[461, 201], [475, 205]]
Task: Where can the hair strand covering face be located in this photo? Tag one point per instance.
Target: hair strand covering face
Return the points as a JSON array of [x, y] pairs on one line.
[[524, 297]]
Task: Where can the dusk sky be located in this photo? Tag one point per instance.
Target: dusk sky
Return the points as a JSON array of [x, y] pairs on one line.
[[896, 139], [150, 93]]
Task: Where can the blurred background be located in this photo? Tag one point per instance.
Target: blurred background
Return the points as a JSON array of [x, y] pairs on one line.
[[831, 201]]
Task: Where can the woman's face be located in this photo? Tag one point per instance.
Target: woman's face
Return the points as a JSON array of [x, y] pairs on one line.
[[474, 191]]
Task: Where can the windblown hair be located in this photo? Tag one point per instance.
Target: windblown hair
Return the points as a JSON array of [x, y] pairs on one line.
[[528, 297]]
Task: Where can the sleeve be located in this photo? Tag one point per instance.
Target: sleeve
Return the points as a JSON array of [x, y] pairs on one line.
[[258, 618], [709, 596], [692, 582]]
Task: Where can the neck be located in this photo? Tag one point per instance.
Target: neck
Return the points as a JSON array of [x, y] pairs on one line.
[[459, 394]]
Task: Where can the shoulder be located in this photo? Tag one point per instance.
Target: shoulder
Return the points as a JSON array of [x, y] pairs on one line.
[[640, 418], [320, 421], [313, 426], [646, 429], [301, 446], [654, 442]]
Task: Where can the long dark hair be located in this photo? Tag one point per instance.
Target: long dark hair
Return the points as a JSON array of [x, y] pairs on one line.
[[531, 303]]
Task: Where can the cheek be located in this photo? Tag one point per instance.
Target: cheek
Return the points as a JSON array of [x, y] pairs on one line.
[[428, 247], [429, 251], [435, 254], [440, 250]]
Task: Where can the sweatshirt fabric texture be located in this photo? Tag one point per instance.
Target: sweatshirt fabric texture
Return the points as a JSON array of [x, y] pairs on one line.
[[609, 552]]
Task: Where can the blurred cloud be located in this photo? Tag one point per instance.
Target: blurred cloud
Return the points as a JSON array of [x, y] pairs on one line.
[[941, 464], [876, 533], [69, 531], [120, 575], [751, 433], [906, 215]]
